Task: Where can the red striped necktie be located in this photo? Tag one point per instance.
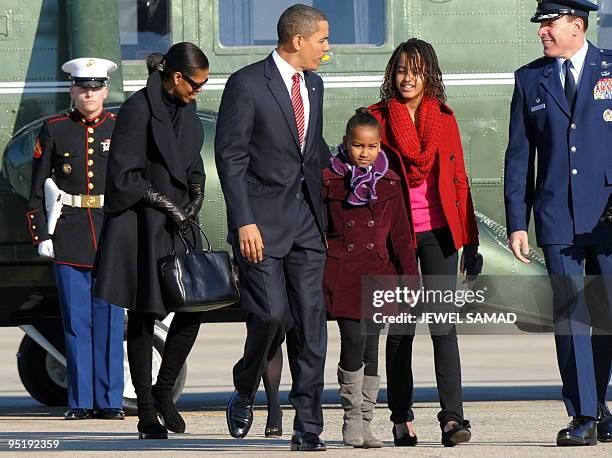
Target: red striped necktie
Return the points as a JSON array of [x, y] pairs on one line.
[[298, 106]]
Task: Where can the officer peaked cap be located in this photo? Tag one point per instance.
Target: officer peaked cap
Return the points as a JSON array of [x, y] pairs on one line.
[[89, 71], [550, 11]]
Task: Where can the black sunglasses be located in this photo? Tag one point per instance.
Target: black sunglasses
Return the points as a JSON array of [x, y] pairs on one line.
[[194, 86]]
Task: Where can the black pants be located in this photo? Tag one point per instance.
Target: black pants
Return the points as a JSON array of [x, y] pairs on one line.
[[181, 337], [284, 296], [358, 345], [438, 264]]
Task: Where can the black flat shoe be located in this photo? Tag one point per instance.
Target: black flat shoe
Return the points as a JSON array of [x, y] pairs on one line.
[[239, 415], [405, 440], [110, 414], [307, 442], [580, 431], [150, 428], [274, 428], [604, 423], [170, 417], [78, 414], [459, 434]]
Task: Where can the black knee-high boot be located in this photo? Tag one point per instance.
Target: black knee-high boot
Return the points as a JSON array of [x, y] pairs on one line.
[[140, 348], [181, 337]]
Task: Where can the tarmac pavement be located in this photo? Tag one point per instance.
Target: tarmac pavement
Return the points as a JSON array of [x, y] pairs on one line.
[[511, 388]]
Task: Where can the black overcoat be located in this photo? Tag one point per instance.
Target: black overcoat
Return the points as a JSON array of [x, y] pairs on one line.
[[145, 152]]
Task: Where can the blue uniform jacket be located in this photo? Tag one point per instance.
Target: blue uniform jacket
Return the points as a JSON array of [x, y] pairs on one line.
[[558, 164]]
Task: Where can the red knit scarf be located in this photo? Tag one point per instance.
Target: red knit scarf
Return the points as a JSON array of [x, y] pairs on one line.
[[418, 146]]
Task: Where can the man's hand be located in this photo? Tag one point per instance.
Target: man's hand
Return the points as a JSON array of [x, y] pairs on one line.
[[251, 243], [45, 248], [519, 244]]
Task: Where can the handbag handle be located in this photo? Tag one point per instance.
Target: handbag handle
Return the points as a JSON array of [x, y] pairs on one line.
[[186, 244]]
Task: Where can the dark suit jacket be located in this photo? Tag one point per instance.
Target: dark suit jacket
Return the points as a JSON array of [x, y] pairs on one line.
[[145, 151], [569, 184], [258, 156]]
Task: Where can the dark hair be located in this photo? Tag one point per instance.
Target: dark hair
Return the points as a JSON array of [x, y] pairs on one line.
[[153, 62], [184, 57], [298, 20], [422, 61], [585, 20], [362, 117]]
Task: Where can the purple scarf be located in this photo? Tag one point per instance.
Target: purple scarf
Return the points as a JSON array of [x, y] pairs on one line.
[[361, 181]]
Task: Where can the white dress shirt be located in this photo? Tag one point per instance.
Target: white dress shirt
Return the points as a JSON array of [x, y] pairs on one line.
[[577, 64], [287, 72]]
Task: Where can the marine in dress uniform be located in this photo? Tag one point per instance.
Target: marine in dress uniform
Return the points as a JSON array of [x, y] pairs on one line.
[[72, 150], [562, 109]]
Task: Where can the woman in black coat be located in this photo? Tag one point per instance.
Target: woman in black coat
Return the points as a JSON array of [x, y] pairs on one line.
[[155, 183]]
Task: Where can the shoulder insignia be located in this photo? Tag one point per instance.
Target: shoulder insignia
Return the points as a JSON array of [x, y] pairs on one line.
[[38, 149]]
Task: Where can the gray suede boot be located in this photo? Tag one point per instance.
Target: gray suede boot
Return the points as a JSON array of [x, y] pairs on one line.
[[351, 399], [371, 384]]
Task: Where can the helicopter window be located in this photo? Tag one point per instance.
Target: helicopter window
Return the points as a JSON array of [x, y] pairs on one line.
[[253, 23], [144, 27], [604, 24]]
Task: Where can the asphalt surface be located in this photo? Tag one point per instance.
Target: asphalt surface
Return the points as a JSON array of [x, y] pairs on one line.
[[511, 388]]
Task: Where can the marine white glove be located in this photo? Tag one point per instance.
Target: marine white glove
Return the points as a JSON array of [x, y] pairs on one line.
[[45, 248]]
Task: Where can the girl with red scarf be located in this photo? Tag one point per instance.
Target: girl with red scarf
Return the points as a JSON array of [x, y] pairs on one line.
[[421, 138]]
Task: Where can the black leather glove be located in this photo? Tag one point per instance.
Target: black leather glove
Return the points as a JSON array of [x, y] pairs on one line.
[[472, 260], [162, 203], [196, 194], [606, 218]]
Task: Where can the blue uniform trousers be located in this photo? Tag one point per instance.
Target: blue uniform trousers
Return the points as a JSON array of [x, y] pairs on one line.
[[582, 322], [93, 332]]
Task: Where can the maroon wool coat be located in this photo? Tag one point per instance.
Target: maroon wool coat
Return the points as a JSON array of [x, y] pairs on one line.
[[453, 183], [373, 239]]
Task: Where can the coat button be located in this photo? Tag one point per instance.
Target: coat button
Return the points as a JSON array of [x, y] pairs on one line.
[[371, 223], [457, 203], [31, 216], [456, 180], [90, 130], [90, 151], [90, 162], [350, 247], [90, 174], [452, 157], [66, 154], [90, 185], [573, 126], [573, 149], [36, 237], [370, 245], [350, 223], [33, 226], [298, 196], [574, 172], [90, 139]]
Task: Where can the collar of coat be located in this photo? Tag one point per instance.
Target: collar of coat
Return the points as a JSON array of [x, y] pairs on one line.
[[387, 187]]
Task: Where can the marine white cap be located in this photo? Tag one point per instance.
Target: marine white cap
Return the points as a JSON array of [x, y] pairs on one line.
[[89, 71]]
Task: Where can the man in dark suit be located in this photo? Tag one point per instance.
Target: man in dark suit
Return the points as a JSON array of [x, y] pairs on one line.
[[270, 153], [562, 108]]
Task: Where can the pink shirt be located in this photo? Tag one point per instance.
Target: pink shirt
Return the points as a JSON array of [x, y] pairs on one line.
[[427, 212]]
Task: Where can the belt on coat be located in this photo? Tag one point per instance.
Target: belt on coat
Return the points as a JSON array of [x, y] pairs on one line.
[[83, 201]]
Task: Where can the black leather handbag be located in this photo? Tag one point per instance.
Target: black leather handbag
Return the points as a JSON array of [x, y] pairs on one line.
[[197, 280]]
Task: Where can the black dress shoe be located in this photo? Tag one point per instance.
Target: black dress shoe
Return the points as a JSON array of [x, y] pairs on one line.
[[110, 414], [151, 428], [307, 442], [274, 427], [458, 434], [604, 423], [78, 414], [406, 440], [580, 431], [239, 415], [164, 405]]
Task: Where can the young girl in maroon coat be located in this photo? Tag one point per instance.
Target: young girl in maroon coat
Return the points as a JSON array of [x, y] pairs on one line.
[[368, 234], [420, 134]]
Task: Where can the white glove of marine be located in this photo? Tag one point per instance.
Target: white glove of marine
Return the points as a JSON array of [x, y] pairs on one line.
[[45, 248]]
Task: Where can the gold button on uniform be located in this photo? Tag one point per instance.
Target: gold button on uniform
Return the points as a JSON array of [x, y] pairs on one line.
[[90, 151], [90, 162], [36, 237], [66, 169], [33, 226], [31, 216], [66, 154], [90, 174], [90, 139], [90, 130], [90, 185]]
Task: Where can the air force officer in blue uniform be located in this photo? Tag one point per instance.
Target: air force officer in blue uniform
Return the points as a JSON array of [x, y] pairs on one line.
[[562, 109]]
